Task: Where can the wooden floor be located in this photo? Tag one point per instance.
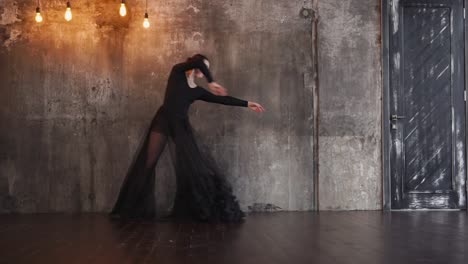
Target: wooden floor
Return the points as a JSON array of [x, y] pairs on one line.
[[294, 237]]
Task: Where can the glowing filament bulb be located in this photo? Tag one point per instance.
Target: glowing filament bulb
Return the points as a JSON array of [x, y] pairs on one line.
[[123, 9], [68, 13], [146, 22], [38, 15]]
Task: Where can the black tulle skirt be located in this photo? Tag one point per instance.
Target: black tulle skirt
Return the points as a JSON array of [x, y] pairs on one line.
[[202, 193]]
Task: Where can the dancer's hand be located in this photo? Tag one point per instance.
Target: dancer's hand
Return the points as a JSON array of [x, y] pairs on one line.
[[217, 89], [256, 107]]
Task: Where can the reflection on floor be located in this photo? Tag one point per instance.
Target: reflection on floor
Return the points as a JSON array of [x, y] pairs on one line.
[[283, 237]]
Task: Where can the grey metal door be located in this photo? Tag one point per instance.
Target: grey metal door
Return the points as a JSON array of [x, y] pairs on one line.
[[427, 107]]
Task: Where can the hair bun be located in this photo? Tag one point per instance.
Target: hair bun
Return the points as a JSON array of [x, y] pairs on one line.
[[197, 56]]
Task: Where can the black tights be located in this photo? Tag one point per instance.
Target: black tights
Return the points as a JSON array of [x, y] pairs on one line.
[[156, 144]]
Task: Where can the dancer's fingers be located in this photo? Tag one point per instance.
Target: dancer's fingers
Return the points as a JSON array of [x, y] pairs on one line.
[[222, 91], [259, 108]]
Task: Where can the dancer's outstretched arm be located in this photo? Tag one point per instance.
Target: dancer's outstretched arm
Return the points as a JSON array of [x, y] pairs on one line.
[[229, 100]]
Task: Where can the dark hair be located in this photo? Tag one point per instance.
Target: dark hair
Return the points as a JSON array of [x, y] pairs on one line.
[[197, 56]]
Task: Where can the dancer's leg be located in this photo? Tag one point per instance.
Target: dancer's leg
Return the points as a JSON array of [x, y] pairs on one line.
[[144, 203], [157, 142], [136, 197]]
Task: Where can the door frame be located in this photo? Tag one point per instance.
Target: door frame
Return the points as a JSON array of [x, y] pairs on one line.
[[385, 142]]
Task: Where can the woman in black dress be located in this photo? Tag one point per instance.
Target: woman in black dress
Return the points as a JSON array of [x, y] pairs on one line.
[[202, 191]]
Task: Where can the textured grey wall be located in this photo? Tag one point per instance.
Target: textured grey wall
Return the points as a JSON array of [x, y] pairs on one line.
[[76, 98], [350, 105]]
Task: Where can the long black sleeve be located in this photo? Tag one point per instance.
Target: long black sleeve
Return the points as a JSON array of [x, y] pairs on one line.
[[226, 100], [196, 63]]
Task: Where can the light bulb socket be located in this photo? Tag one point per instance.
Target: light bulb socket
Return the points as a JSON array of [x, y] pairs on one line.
[[146, 14], [68, 4], [38, 9], [123, 1]]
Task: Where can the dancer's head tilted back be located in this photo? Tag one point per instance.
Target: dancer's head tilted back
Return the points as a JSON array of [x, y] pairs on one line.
[[197, 72]]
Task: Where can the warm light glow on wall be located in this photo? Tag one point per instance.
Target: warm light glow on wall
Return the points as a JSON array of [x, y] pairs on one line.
[[68, 13]]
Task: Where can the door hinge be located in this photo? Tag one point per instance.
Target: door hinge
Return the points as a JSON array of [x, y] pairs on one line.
[[464, 95], [464, 13]]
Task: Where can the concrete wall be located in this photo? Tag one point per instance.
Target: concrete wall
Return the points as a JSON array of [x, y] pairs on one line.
[[76, 98], [350, 105]]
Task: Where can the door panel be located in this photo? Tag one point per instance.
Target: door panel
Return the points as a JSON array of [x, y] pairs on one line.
[[427, 150]]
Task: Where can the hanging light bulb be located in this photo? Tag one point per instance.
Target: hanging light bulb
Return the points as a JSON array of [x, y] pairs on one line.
[[68, 13], [123, 9], [38, 13], [146, 22]]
